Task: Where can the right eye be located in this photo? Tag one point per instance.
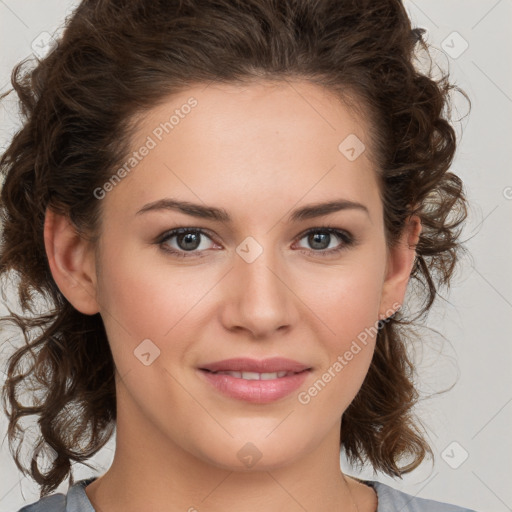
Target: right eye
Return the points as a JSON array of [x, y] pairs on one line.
[[188, 240]]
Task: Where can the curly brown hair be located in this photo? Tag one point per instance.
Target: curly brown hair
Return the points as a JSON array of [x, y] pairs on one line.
[[117, 59]]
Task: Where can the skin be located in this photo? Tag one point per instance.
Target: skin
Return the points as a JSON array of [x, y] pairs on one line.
[[259, 151]]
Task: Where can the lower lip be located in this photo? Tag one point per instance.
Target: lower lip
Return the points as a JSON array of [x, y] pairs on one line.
[[256, 391]]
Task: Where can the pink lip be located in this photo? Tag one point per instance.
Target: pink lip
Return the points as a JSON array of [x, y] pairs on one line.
[[255, 391]]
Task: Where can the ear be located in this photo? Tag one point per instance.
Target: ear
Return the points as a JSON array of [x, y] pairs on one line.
[[71, 260], [400, 262]]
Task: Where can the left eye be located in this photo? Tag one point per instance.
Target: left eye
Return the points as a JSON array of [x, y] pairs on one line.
[[317, 237]]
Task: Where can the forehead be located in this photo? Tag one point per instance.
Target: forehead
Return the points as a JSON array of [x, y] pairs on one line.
[[257, 144]]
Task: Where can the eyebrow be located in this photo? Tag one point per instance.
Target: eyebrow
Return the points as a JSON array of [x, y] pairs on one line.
[[221, 215]]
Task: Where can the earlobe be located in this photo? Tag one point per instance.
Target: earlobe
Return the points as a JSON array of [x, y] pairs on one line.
[[71, 261], [399, 266]]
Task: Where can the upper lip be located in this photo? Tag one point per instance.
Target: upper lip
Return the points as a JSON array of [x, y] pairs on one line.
[[244, 364]]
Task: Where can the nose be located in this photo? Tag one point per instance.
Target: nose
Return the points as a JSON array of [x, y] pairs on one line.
[[259, 297]]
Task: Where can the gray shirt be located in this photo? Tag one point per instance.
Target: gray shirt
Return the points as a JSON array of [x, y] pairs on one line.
[[389, 499]]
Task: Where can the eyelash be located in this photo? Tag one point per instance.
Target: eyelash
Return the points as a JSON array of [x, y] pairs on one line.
[[347, 241]]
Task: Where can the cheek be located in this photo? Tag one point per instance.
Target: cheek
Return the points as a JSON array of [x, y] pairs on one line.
[[351, 314], [146, 298], [348, 298], [348, 305]]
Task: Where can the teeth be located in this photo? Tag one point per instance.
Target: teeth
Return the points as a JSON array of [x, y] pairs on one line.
[[238, 375], [256, 376]]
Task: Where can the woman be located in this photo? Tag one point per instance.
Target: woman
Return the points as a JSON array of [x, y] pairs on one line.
[[224, 203]]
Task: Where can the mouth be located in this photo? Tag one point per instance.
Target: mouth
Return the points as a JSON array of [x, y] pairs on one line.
[[255, 381]]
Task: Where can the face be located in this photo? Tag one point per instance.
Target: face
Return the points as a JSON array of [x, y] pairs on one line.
[[257, 280]]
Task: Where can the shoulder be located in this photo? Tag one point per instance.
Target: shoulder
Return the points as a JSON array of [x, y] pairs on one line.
[[53, 503], [390, 500], [75, 500]]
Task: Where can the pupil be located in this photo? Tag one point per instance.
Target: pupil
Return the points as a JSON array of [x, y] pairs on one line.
[[189, 238], [317, 239]]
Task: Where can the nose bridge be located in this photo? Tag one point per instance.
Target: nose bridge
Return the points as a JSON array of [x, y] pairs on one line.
[[262, 299]]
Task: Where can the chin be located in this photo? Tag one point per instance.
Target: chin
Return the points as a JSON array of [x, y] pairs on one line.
[[257, 453]]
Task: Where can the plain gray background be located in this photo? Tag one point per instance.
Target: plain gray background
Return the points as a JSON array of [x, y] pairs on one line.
[[469, 426]]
